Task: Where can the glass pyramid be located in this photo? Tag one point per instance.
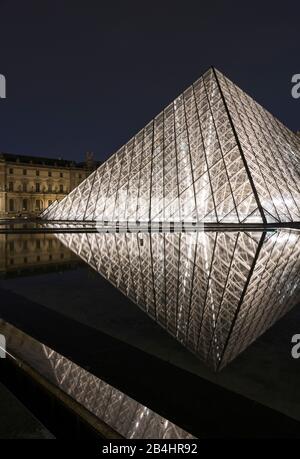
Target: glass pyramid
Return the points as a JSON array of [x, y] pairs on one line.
[[213, 155]]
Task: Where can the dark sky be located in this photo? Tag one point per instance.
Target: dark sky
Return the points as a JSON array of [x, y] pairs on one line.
[[87, 75]]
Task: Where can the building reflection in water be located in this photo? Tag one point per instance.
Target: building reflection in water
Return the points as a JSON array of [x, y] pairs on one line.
[[126, 416], [214, 291], [27, 253]]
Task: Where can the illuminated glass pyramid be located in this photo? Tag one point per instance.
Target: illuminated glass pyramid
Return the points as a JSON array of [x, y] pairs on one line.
[[213, 156]]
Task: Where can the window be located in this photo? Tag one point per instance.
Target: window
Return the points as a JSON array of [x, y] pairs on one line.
[[25, 260], [11, 186], [11, 171], [38, 244], [37, 187], [61, 175], [37, 173], [24, 171], [61, 188], [11, 205], [25, 187], [38, 205], [80, 176], [49, 174], [24, 204], [11, 246]]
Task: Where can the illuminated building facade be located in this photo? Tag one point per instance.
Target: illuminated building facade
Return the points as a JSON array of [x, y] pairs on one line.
[[29, 184]]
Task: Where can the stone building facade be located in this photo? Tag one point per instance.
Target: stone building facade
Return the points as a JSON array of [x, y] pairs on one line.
[[29, 184]]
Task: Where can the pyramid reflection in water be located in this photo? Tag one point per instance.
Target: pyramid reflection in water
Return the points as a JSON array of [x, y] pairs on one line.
[[214, 291], [125, 415]]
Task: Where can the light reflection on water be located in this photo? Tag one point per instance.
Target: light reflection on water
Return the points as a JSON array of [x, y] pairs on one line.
[[215, 291], [125, 415]]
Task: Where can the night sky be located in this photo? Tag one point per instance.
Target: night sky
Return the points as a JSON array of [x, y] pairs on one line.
[[87, 75]]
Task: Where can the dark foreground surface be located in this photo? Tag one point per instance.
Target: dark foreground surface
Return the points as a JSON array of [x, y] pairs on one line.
[[16, 421], [168, 379]]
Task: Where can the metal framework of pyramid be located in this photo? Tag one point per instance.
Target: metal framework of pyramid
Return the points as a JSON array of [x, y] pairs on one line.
[[213, 155]]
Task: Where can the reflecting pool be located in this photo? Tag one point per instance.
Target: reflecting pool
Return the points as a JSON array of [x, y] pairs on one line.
[[146, 321]]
